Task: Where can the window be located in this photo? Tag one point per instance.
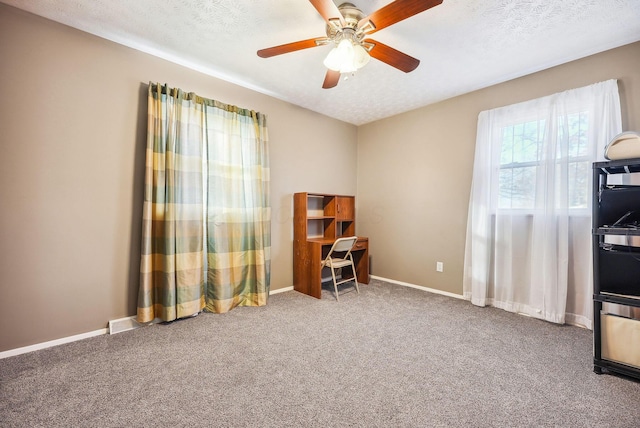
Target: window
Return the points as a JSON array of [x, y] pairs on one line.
[[578, 164], [528, 233], [522, 151]]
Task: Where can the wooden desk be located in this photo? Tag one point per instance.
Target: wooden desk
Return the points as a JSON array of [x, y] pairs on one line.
[[307, 273], [318, 220]]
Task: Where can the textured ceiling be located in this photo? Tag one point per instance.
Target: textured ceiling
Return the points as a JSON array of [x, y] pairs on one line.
[[463, 45]]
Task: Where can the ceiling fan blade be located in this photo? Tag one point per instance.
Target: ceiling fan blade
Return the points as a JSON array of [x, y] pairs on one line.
[[393, 57], [397, 11], [292, 47], [331, 79], [328, 10]]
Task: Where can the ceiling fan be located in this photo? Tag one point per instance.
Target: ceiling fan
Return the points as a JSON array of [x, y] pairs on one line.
[[348, 29]]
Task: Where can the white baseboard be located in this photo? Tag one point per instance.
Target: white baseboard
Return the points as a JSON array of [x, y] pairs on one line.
[[281, 290], [570, 319], [51, 343], [419, 287], [129, 323], [115, 326]]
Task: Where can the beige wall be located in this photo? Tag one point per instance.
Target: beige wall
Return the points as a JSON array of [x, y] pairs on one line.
[[414, 169], [73, 126]]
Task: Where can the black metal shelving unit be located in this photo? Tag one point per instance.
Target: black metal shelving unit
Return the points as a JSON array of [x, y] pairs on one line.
[[616, 267]]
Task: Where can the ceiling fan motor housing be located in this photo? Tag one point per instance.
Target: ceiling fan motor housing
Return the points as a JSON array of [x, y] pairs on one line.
[[352, 15]]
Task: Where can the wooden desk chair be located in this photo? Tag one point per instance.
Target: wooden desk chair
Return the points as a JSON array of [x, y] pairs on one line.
[[339, 257]]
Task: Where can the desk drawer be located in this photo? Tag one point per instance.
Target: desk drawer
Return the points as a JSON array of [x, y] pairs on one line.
[[361, 244]]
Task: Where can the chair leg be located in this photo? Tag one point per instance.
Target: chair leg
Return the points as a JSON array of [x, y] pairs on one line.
[[355, 276], [335, 285], [355, 281]]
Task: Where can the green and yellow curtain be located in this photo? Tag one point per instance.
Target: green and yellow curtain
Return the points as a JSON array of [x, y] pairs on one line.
[[206, 235]]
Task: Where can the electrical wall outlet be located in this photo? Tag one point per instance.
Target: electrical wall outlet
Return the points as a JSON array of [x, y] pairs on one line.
[[439, 267]]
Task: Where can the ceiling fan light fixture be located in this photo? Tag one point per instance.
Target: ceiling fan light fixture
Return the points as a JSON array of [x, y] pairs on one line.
[[341, 57], [347, 57]]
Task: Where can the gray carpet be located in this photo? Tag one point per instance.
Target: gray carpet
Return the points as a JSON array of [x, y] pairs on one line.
[[390, 356]]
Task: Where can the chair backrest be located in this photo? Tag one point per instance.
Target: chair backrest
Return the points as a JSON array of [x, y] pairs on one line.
[[343, 245]]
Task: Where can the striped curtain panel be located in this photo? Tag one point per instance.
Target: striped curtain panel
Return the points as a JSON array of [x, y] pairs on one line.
[[206, 214], [238, 208]]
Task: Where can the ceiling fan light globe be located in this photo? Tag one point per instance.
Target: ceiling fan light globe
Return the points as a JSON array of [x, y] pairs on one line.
[[362, 57], [332, 62], [348, 67], [342, 57]]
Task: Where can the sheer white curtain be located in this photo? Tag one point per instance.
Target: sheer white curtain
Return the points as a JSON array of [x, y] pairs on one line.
[[528, 245]]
